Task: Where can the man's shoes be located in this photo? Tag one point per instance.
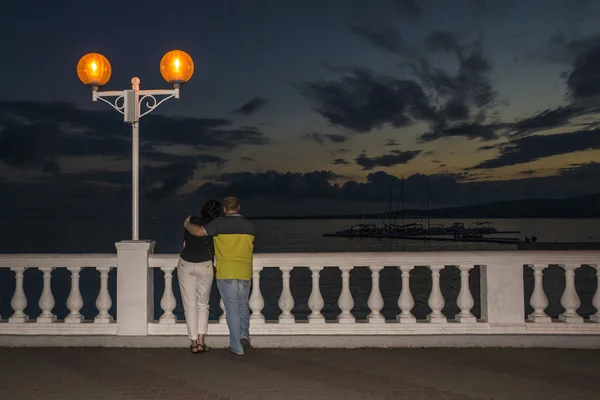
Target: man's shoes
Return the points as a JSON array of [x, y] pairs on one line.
[[235, 354], [246, 344]]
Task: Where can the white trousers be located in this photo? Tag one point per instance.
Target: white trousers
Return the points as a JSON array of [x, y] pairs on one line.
[[195, 281]]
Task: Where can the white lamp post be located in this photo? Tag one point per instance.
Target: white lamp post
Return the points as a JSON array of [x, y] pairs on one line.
[[94, 70]]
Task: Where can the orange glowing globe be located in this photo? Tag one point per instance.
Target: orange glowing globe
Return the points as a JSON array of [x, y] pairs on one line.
[[176, 67], [94, 70]]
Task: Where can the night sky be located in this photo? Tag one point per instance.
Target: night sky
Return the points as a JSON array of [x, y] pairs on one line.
[[302, 107]]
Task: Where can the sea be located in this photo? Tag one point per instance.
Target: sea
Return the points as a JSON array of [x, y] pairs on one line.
[[98, 235]]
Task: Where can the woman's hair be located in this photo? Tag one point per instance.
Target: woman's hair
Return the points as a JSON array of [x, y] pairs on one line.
[[211, 210]]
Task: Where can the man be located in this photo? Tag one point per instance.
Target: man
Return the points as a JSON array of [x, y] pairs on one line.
[[234, 247]]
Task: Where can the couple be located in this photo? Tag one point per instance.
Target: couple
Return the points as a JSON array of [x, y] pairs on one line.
[[229, 239]]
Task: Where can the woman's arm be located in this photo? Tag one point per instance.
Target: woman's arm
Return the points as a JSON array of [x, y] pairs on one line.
[[193, 228]]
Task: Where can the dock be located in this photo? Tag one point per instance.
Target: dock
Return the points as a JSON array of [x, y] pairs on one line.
[[427, 238]]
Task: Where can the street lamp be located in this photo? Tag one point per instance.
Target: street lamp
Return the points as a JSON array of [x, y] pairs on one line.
[[94, 70]]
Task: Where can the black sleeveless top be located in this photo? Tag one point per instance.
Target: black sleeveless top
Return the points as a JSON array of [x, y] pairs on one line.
[[197, 248]]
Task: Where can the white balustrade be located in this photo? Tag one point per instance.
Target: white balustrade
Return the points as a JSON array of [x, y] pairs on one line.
[[103, 302], [256, 302], [315, 301], [570, 299], [168, 302], [596, 299], [19, 301], [501, 288], [345, 301], [405, 300], [46, 302], [47, 321], [539, 300], [375, 301], [465, 299], [436, 299], [74, 301], [286, 300]]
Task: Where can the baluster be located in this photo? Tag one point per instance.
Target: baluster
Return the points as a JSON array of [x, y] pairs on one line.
[[465, 299], [74, 301], [257, 302], [596, 298], [19, 300], [103, 302], [375, 301], [223, 317], [46, 302], [405, 300], [167, 301], [570, 299], [315, 301], [286, 301], [346, 302], [539, 300], [436, 299]]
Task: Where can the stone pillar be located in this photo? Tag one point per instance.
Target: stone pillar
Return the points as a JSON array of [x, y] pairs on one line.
[[502, 294], [135, 287]]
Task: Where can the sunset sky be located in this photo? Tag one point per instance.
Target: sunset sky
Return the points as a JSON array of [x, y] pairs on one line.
[[331, 101]]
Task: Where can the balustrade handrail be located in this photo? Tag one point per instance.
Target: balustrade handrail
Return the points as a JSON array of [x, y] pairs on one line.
[[394, 259], [57, 260]]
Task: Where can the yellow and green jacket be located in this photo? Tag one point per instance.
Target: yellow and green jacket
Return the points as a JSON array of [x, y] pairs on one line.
[[234, 246]]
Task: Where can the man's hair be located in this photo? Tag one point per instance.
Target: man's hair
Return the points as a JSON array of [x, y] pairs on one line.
[[231, 203]]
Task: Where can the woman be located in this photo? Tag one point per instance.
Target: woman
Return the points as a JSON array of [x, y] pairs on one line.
[[195, 273]]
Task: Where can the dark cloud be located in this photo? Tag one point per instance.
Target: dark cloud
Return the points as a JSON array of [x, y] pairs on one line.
[[384, 38], [321, 138], [493, 8], [340, 161], [391, 143], [252, 106], [249, 159], [275, 192], [395, 157], [531, 148], [453, 104], [363, 101], [468, 130], [35, 135], [583, 171], [547, 119], [273, 184], [527, 172], [77, 124], [410, 8], [445, 189], [339, 151], [584, 80]]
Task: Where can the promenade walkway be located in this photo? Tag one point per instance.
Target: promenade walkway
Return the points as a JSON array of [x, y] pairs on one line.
[[299, 374]]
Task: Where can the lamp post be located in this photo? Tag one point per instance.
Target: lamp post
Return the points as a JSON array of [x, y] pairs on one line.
[[94, 70]]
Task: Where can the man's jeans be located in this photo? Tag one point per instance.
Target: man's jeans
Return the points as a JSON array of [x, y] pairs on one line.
[[235, 294]]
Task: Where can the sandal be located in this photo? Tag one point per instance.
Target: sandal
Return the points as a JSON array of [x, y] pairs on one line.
[[192, 347], [204, 347]]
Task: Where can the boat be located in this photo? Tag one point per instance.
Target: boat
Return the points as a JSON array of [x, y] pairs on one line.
[[486, 227], [413, 229], [436, 229], [360, 230], [457, 228]]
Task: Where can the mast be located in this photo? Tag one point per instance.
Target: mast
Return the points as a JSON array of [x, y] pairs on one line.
[[477, 204], [427, 184], [402, 198], [390, 211]]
